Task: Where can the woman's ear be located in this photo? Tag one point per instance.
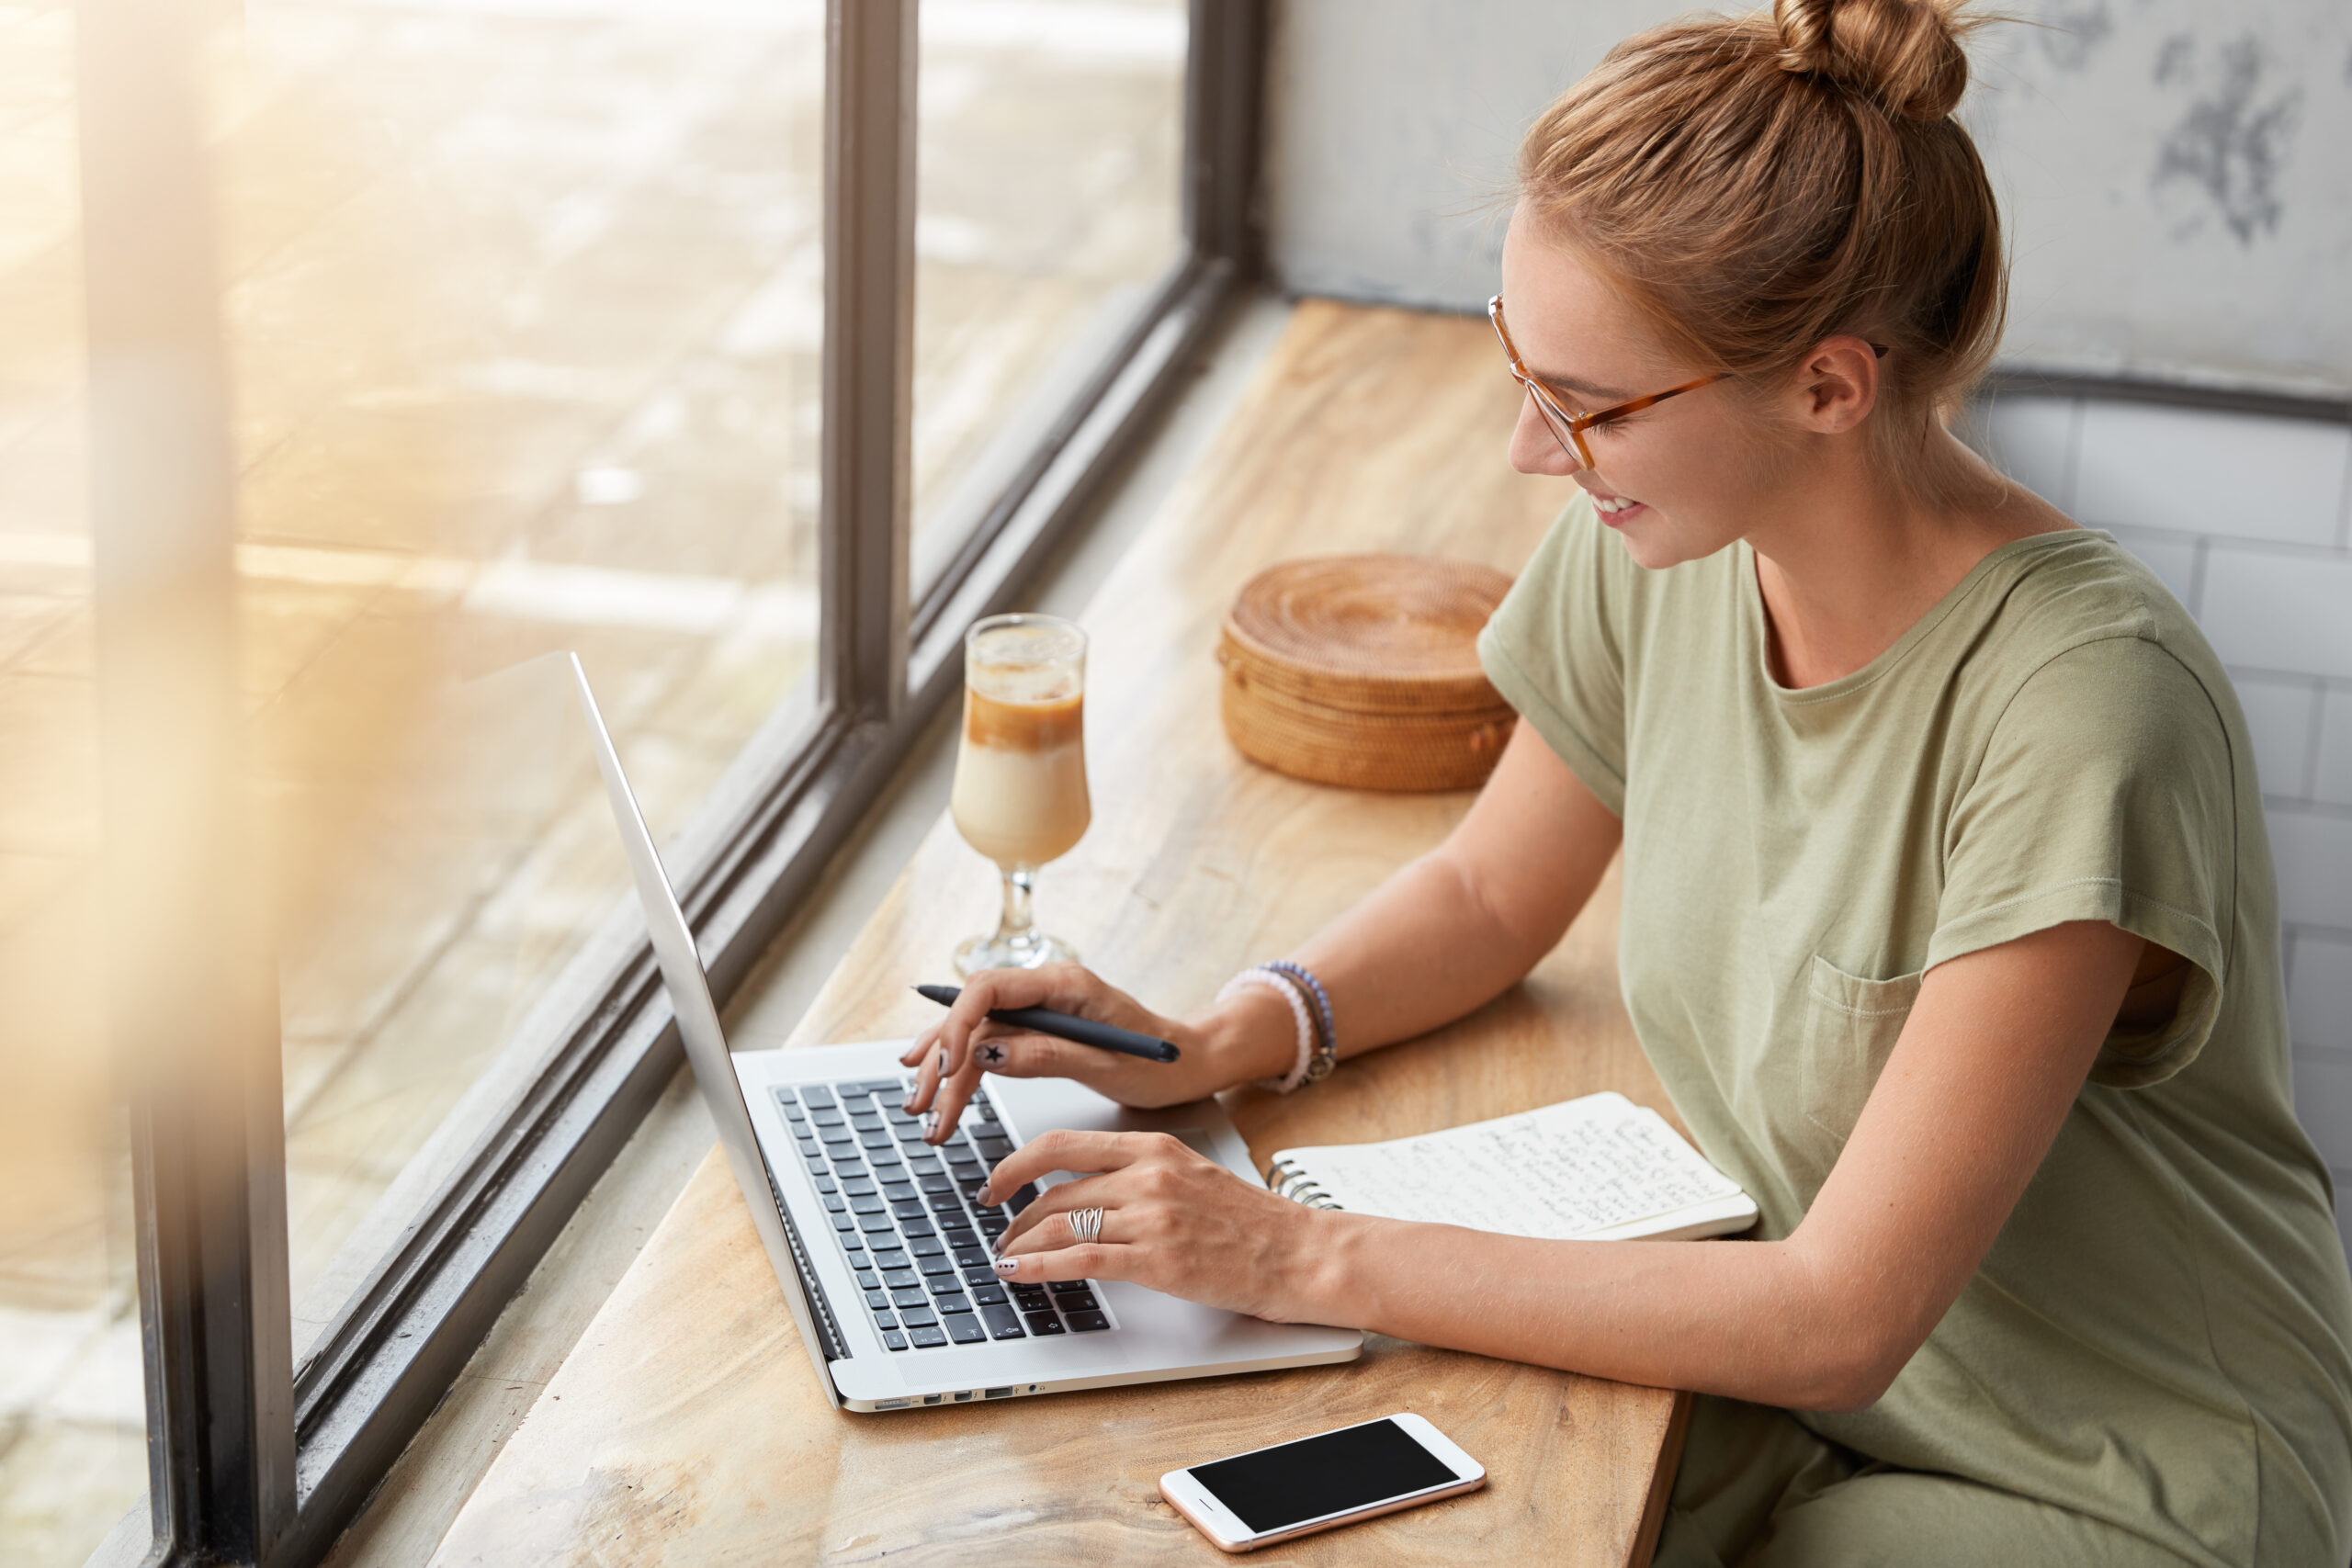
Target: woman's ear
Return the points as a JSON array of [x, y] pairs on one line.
[[1838, 385]]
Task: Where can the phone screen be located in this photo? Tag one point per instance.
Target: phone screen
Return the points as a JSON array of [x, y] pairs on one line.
[[1330, 1474]]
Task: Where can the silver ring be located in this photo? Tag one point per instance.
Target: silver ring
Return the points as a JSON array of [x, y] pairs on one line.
[[1086, 1224]]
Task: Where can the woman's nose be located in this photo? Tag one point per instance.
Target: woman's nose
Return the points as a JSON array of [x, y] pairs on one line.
[[1534, 448]]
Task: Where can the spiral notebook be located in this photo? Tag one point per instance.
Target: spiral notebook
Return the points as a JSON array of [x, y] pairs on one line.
[[1598, 1168]]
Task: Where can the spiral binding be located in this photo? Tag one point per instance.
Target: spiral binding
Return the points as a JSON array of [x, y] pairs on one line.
[[1289, 1181]]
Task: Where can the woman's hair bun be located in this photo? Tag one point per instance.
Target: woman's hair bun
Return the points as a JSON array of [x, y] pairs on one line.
[[1903, 55]]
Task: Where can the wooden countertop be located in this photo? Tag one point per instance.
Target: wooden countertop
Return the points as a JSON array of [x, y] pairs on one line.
[[687, 1427]]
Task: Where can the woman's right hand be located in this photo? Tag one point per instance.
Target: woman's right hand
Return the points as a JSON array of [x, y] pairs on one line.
[[1248, 1037]]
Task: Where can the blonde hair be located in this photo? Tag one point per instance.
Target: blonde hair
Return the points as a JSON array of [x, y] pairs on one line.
[[1757, 183]]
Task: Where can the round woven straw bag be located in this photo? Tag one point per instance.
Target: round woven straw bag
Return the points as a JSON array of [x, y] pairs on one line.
[[1363, 671]]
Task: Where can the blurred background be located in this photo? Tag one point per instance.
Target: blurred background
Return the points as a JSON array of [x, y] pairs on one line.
[[524, 303]]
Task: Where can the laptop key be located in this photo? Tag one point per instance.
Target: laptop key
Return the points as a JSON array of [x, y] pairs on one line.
[[993, 1149], [891, 1257], [954, 1220], [1031, 1297], [884, 1320], [970, 1257], [893, 1339], [936, 1265], [880, 1086], [1088, 1322], [909, 1298], [876, 1139], [1082, 1302], [826, 1185], [936, 1182], [964, 1329], [836, 1204], [928, 1338], [918, 1317], [1069, 1286], [901, 1279], [874, 1224], [909, 1209], [868, 1279], [1042, 1322], [1002, 1321], [926, 1247], [943, 1203], [858, 1185], [988, 1295], [813, 1095], [1021, 1199], [947, 1294], [898, 1186], [845, 1222], [869, 1203], [917, 1228]]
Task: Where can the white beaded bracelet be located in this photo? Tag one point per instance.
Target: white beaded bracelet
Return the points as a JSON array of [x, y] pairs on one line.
[[1274, 982]]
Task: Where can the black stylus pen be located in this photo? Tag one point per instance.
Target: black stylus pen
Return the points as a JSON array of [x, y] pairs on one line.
[[1067, 1026]]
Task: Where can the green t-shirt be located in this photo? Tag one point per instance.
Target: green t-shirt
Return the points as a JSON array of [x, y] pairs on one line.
[[2161, 1337]]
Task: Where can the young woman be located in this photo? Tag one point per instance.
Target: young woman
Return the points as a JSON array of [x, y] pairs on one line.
[[1949, 918]]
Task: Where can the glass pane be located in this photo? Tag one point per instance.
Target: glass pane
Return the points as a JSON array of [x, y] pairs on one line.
[[72, 1429], [1051, 153], [524, 307]]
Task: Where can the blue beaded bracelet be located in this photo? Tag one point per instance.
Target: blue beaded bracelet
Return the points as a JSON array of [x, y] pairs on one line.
[[1327, 1046]]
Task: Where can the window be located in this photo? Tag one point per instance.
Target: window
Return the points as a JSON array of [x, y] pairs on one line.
[[665, 333]]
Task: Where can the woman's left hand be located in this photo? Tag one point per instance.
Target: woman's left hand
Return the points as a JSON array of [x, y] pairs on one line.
[[1172, 1221]]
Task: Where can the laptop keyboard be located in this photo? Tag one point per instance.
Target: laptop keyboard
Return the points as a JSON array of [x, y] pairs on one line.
[[908, 1219]]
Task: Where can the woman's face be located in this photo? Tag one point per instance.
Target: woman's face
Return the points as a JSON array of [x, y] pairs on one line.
[[1698, 471]]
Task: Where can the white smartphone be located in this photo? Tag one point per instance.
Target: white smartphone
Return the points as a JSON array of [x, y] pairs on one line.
[[1335, 1478]]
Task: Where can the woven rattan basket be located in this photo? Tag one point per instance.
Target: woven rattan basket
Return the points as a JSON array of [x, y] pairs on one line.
[[1363, 671]]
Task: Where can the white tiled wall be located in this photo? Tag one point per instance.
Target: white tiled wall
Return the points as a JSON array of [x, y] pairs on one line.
[[2249, 519]]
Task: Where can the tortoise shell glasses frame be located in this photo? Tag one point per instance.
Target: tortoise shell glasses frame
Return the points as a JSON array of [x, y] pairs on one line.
[[1569, 428]]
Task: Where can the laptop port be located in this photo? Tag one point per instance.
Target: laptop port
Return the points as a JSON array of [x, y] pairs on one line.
[[932, 1398], [892, 1404], [995, 1393], [964, 1395]]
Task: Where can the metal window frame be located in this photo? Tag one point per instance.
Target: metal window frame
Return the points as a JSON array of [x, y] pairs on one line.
[[252, 1460]]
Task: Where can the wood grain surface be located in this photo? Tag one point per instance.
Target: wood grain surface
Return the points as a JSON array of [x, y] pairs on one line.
[[687, 1425]]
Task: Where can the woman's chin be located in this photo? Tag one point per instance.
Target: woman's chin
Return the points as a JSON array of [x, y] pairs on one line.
[[1656, 541]]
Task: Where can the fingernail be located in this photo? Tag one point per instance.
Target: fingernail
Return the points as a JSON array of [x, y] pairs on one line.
[[931, 1124], [1008, 1267]]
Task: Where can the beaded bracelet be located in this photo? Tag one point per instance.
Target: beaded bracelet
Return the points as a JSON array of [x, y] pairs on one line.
[[1326, 1049], [1288, 990]]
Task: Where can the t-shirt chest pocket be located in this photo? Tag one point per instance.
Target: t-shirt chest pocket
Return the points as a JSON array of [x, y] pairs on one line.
[[1852, 1025]]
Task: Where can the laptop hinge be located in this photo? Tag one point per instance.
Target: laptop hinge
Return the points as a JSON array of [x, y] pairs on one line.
[[829, 1332]]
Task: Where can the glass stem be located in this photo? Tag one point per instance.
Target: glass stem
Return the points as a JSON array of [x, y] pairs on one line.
[[1014, 925]]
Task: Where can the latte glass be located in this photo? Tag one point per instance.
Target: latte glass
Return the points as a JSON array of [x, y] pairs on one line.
[[1020, 793]]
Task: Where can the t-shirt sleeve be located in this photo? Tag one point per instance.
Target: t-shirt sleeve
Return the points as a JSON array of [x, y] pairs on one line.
[[1555, 648], [2105, 794]]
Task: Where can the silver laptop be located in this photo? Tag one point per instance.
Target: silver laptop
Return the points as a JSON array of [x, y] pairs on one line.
[[876, 1235]]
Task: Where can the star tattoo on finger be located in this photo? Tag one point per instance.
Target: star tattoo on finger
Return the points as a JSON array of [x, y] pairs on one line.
[[992, 1055]]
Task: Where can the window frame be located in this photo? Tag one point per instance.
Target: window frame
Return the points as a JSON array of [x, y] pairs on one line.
[[252, 1459]]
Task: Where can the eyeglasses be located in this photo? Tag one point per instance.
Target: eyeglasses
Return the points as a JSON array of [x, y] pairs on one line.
[[1569, 428]]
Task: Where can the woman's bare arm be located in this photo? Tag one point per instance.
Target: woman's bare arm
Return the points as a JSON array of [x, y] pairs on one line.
[[1972, 1096], [1448, 932], [1466, 921]]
